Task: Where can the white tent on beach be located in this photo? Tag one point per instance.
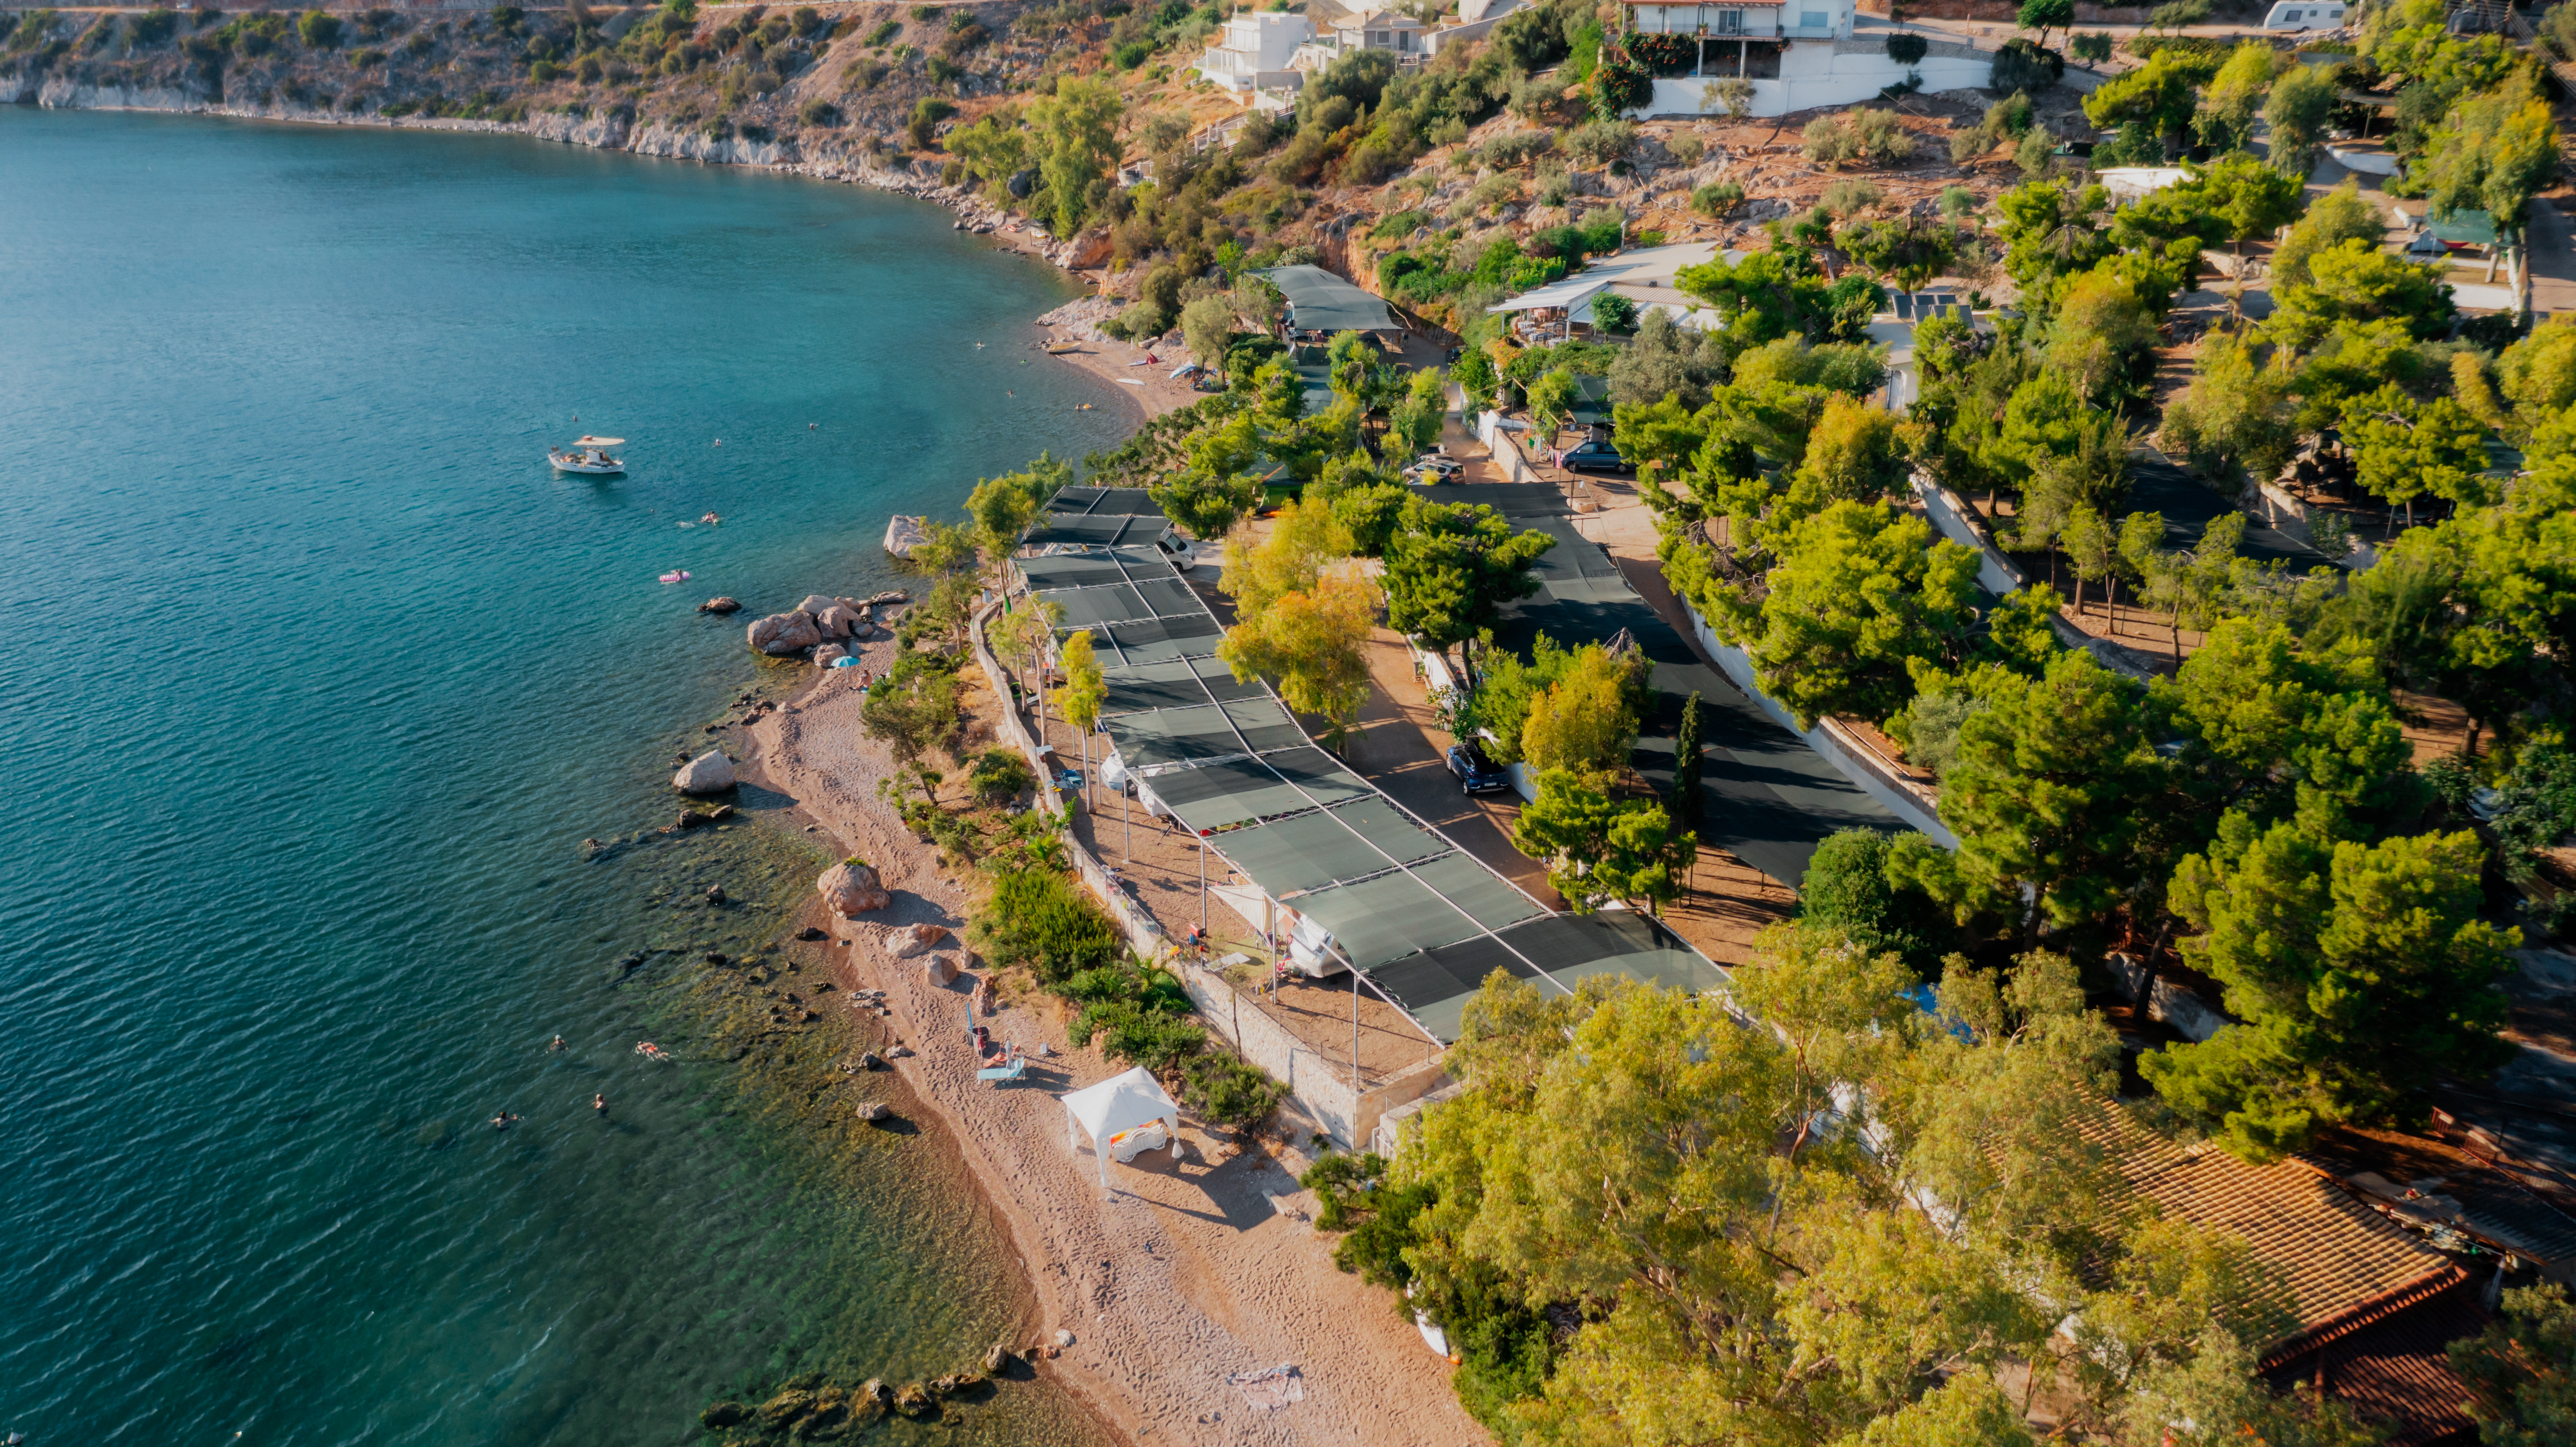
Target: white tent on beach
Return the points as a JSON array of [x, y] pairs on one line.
[[1119, 1115]]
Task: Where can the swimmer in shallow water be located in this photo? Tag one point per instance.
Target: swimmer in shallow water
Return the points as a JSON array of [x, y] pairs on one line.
[[558, 1043], [504, 1121], [600, 1103]]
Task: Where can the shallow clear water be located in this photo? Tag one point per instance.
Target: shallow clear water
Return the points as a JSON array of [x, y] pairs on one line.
[[314, 678]]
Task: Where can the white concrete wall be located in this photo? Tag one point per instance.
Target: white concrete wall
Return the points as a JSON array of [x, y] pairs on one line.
[[1814, 75]]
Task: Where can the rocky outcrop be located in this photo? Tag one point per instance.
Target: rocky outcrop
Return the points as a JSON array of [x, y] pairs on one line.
[[873, 1110], [721, 607], [903, 534], [708, 773], [829, 654], [814, 604], [781, 635], [837, 621], [1084, 252], [909, 940], [852, 889], [697, 145]]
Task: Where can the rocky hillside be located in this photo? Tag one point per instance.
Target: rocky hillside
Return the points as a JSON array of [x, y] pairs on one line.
[[1404, 180], [745, 83]]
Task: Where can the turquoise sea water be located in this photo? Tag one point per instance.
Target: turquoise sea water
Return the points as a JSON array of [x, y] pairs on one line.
[[313, 680]]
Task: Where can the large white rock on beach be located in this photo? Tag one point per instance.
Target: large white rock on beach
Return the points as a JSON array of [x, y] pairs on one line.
[[828, 654], [839, 622], [903, 534], [851, 889], [915, 939], [708, 773], [815, 603], [940, 969], [784, 633]]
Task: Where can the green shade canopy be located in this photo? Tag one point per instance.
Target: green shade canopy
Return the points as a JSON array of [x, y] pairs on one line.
[[1319, 301]]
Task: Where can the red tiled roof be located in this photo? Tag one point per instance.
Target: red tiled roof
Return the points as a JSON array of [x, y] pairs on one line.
[[2334, 1253], [2386, 1357]]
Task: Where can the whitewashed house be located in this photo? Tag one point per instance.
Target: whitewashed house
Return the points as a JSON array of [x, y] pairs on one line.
[[1401, 36], [1796, 54], [1253, 52]]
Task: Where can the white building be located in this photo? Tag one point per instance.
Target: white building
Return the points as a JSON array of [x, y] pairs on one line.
[[1475, 19], [1644, 277], [1795, 54], [1401, 36], [1253, 52]]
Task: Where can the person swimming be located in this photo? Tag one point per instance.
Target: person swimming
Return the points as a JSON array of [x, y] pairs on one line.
[[504, 1121], [557, 1044], [600, 1103]]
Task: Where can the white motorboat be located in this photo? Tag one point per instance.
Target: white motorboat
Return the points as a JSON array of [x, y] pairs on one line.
[[589, 455]]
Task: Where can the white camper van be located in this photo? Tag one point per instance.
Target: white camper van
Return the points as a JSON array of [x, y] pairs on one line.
[[2304, 15]]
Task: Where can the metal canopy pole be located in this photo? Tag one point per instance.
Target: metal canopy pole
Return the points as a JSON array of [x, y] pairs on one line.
[[1355, 1040]]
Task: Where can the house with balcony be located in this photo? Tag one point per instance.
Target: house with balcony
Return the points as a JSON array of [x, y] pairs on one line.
[[1794, 55], [1253, 52], [1398, 35]]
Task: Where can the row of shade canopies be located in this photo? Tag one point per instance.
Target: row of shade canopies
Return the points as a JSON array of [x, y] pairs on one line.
[[1369, 886]]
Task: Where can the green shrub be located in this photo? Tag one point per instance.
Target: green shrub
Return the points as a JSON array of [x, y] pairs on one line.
[[318, 29], [542, 72], [1131, 55], [2021, 65], [1399, 225], [819, 112], [1504, 152], [155, 25], [1717, 198], [927, 113], [805, 20], [2093, 47], [1229, 1092], [366, 59], [1598, 143], [1907, 48], [1042, 920], [883, 33], [998, 776]]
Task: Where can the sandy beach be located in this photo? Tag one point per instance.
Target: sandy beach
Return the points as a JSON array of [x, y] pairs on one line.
[[1195, 1267]]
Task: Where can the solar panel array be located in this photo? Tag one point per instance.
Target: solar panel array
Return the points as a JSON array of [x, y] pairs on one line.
[[1424, 920]]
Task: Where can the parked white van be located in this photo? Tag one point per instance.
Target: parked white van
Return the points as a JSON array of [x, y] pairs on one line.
[[2304, 15]]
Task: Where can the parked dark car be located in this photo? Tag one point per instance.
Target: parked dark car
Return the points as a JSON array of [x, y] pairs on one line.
[[1594, 456], [1477, 773]]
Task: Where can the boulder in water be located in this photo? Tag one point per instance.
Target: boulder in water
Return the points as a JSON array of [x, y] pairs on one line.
[[720, 607], [998, 1358], [837, 621], [708, 773], [852, 888], [903, 534], [874, 1110], [784, 633]]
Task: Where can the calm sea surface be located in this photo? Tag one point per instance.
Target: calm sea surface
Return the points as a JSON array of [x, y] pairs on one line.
[[314, 679]]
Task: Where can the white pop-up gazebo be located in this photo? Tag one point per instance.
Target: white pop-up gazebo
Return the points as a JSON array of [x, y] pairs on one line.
[[1117, 1105]]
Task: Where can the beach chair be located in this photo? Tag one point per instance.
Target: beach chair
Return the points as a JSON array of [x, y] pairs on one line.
[[997, 1074]]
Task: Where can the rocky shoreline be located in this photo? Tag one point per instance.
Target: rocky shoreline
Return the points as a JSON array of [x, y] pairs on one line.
[[609, 131]]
